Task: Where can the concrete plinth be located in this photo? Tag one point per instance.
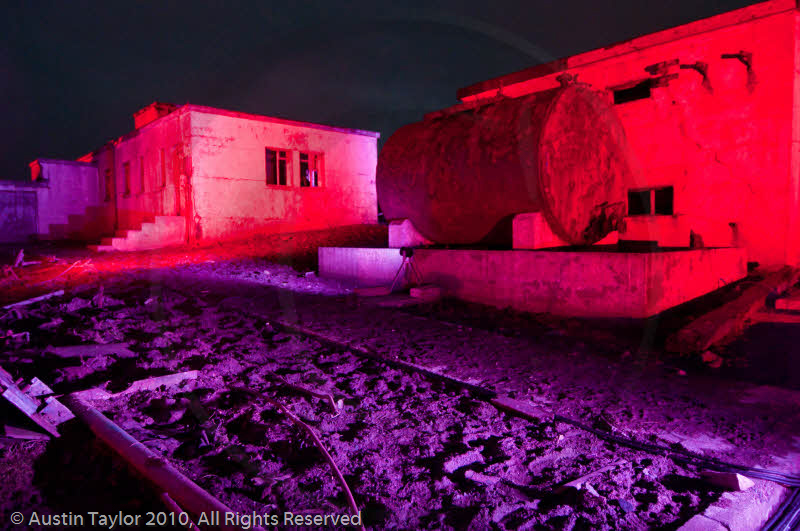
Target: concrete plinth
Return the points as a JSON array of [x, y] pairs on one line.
[[596, 283]]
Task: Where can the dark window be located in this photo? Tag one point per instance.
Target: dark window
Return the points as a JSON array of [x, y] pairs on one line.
[[640, 91], [108, 184], [638, 202], [310, 169], [126, 175], [277, 167], [664, 201]]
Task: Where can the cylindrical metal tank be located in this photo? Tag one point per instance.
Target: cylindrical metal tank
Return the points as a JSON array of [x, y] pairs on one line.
[[561, 152]]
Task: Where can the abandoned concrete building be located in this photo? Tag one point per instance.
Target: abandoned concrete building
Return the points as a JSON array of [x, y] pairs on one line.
[[685, 142], [191, 174]]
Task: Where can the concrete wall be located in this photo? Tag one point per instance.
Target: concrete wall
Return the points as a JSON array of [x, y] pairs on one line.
[[69, 200], [17, 211], [229, 191], [158, 162], [584, 283], [724, 143]]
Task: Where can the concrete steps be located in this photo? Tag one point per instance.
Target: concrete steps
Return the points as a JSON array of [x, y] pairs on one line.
[[163, 231]]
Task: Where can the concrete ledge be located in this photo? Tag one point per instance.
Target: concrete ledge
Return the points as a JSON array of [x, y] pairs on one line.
[[595, 283], [740, 511]]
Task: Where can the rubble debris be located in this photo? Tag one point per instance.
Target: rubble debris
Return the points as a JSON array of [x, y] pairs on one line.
[[148, 384], [477, 477], [460, 461], [336, 472], [327, 397], [578, 482], [92, 350], [727, 480], [158, 470], [8, 271], [591, 490], [26, 302], [98, 300], [48, 417], [16, 339], [77, 263]]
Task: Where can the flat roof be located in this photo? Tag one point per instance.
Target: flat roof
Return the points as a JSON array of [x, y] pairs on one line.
[[262, 118], [730, 18]]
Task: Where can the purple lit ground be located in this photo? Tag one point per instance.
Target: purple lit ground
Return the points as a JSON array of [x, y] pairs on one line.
[[418, 454]]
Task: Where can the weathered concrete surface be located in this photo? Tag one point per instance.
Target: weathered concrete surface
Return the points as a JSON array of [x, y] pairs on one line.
[[726, 140], [17, 211], [365, 267], [531, 231], [561, 152], [676, 231], [578, 283], [228, 176], [69, 200], [402, 233]]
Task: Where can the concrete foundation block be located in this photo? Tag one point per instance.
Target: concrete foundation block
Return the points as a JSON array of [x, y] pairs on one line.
[[592, 283], [531, 231], [402, 233]]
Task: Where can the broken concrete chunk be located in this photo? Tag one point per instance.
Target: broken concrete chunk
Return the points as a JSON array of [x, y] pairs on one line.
[[460, 461], [727, 480], [477, 477]]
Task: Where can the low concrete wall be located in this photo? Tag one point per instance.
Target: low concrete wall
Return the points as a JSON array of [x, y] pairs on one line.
[[576, 283]]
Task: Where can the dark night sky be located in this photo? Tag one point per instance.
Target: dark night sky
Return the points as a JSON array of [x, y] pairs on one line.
[[72, 73]]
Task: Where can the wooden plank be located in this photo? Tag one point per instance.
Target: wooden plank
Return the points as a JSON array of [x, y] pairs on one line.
[[727, 321], [21, 433], [34, 299]]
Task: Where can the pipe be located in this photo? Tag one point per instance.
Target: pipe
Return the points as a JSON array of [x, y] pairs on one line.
[[155, 468]]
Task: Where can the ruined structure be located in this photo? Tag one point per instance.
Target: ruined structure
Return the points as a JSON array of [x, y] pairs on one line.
[[193, 174], [702, 177]]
